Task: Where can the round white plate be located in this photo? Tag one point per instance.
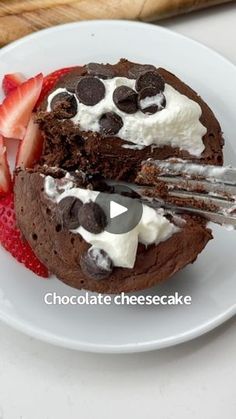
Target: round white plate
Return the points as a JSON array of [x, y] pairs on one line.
[[211, 281]]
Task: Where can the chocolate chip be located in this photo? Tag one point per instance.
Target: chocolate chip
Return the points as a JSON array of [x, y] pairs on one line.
[[110, 123], [64, 105], [96, 264], [71, 84], [90, 90], [67, 212], [125, 99], [70, 79], [154, 102], [100, 70], [92, 217], [96, 182], [148, 79], [137, 69]]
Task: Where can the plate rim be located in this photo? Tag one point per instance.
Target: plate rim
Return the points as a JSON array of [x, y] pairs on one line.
[[56, 340], [111, 22], [137, 347]]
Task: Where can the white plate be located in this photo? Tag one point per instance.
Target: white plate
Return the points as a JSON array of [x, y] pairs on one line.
[[210, 281]]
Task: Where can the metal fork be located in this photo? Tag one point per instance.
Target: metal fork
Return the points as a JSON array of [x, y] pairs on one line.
[[209, 191]]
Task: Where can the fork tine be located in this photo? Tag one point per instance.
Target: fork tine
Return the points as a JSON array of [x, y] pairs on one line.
[[220, 189], [190, 170], [210, 203], [224, 217], [215, 217]]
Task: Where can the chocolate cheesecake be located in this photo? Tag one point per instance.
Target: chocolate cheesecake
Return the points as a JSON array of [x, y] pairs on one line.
[[101, 122]]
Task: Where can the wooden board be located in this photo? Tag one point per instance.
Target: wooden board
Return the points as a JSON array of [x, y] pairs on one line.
[[21, 17]]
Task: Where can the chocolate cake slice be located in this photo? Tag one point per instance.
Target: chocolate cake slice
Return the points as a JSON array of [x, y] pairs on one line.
[[51, 226], [70, 142]]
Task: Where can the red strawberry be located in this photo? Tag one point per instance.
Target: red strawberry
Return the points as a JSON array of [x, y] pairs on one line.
[[30, 149], [12, 241], [16, 109], [11, 81], [5, 175], [50, 80]]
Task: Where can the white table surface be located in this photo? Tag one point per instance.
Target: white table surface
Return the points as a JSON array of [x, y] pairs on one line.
[[195, 380]]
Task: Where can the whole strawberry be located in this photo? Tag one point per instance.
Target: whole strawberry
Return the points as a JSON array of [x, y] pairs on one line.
[[11, 238]]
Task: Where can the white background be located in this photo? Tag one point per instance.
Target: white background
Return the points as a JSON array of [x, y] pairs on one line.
[[194, 380]]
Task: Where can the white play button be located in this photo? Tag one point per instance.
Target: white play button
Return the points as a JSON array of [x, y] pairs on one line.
[[116, 209], [122, 212]]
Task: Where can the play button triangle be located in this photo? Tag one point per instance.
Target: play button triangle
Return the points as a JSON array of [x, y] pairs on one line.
[[123, 213], [116, 209]]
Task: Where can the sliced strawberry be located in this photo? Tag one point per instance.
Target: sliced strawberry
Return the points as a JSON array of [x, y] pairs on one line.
[[11, 81], [5, 175], [16, 109], [30, 149], [11, 238], [50, 80]]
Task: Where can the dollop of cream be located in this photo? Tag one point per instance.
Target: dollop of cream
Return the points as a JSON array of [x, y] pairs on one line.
[[177, 125], [122, 248]]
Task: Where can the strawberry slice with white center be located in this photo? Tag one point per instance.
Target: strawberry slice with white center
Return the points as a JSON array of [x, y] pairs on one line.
[[11, 81], [17, 107], [30, 149], [5, 175]]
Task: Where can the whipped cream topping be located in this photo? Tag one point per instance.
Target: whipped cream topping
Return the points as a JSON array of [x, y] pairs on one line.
[[149, 101], [121, 248], [177, 125]]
